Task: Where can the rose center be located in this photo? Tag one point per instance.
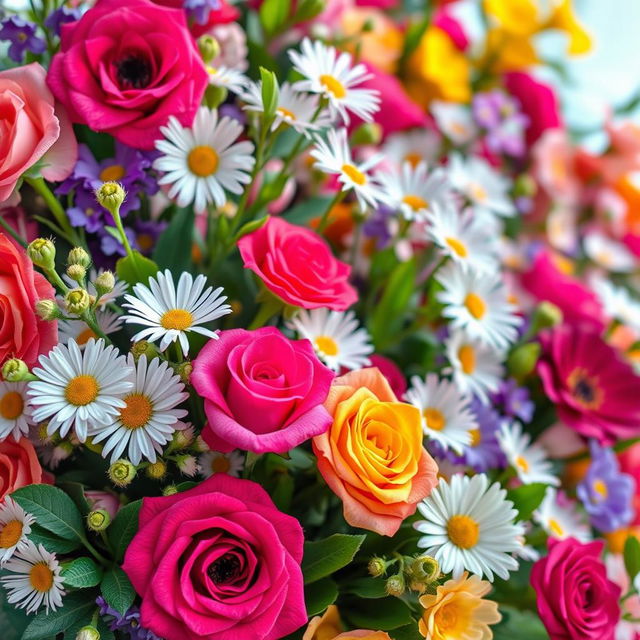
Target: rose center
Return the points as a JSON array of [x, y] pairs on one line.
[[11, 405], [133, 72], [476, 306], [333, 85], [447, 618], [457, 247], [435, 419], [177, 319], [112, 173], [203, 161], [82, 390], [415, 202], [327, 345], [10, 534], [86, 335], [138, 411], [286, 113], [355, 174], [463, 531], [467, 357], [225, 569], [584, 389], [41, 577]]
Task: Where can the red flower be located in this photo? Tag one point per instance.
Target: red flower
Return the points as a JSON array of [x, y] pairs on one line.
[[19, 465]]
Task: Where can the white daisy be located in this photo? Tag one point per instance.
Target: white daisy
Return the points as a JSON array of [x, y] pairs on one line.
[[215, 462], [333, 157], [470, 526], [455, 121], [148, 419], [15, 410], [298, 110], [529, 460], [34, 579], [79, 388], [331, 75], [558, 516], [201, 162], [476, 367], [476, 302], [618, 303], [609, 254], [15, 526], [414, 146], [462, 237], [414, 190], [336, 336], [108, 321], [170, 312], [446, 417], [230, 79], [482, 185]]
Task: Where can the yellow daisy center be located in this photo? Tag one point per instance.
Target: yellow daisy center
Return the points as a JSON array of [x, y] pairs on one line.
[[522, 464], [286, 113], [137, 412], [220, 465], [41, 577], [478, 192], [413, 159], [415, 202], [82, 390], [178, 319], [355, 174], [463, 531], [10, 534], [601, 489], [84, 336], [112, 173], [476, 306], [11, 405], [457, 247], [327, 345], [203, 161], [476, 437], [467, 357], [435, 418], [555, 527], [333, 85]]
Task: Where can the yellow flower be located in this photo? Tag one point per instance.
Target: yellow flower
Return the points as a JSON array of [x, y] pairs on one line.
[[564, 19], [507, 51], [325, 627], [458, 611], [519, 17]]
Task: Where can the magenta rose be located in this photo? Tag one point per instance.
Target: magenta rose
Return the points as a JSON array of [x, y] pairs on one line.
[[262, 392], [297, 265], [576, 600], [125, 67], [218, 561]]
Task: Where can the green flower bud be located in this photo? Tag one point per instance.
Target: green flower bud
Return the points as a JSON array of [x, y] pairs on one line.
[[367, 133], [111, 195], [416, 585], [170, 490], [77, 272], [88, 633], [395, 585], [104, 283], [184, 370], [215, 96], [144, 348], [525, 186], [79, 256], [209, 48], [15, 370], [187, 464], [377, 567], [98, 520], [523, 359], [545, 316], [157, 470], [181, 439], [199, 445], [122, 473], [424, 569], [47, 309], [42, 252], [77, 301]]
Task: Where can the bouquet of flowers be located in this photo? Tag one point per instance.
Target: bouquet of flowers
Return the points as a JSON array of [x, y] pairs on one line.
[[316, 323]]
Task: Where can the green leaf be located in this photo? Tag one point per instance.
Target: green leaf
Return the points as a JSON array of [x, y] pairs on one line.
[[319, 595], [632, 556], [136, 268], [324, 557], [173, 249], [366, 587], [519, 624], [304, 211], [270, 92], [123, 528], [408, 632], [117, 590], [273, 15], [46, 626], [53, 510], [50, 541], [387, 614], [75, 491], [527, 498], [82, 573], [250, 227]]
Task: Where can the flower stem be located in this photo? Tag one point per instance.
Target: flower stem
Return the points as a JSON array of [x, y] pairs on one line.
[[54, 206], [266, 311], [324, 221], [7, 227]]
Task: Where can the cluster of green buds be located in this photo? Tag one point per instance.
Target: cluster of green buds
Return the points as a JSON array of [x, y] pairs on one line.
[[413, 573], [16, 370]]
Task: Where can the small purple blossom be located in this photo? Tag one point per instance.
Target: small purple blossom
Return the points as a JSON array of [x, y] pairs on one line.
[[128, 623], [377, 226], [22, 35], [199, 10], [61, 16], [514, 401], [606, 492]]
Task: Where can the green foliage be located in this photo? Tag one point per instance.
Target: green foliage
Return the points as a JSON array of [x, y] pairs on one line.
[[273, 15], [324, 557], [136, 268], [50, 541], [123, 528], [173, 249], [527, 498], [319, 595], [632, 556], [519, 624], [117, 590], [75, 607], [387, 614], [82, 573], [270, 93]]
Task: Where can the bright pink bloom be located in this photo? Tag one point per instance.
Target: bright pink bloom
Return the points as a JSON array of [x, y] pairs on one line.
[[392, 372], [554, 158], [576, 600], [595, 391], [217, 561], [116, 73], [297, 265], [262, 392], [545, 281], [33, 128], [452, 27]]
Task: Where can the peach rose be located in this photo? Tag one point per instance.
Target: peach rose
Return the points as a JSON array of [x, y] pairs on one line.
[[372, 455], [329, 627], [19, 465], [34, 128]]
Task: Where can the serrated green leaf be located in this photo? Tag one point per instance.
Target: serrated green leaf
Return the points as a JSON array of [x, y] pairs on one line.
[[527, 498], [136, 268], [123, 528], [319, 595], [53, 510], [82, 573], [173, 249], [75, 491], [50, 541], [117, 590], [273, 15], [632, 556], [324, 557], [46, 626]]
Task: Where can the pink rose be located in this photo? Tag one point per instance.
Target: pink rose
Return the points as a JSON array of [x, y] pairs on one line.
[[33, 128], [262, 392], [19, 466], [103, 500], [217, 561], [297, 265], [576, 600], [125, 67]]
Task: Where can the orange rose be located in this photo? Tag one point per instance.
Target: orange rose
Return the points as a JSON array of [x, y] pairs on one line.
[[372, 455], [19, 465], [329, 627]]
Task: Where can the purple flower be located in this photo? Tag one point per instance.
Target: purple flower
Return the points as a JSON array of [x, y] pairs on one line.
[[22, 35], [514, 401], [61, 16], [377, 226], [199, 10], [606, 492], [128, 623]]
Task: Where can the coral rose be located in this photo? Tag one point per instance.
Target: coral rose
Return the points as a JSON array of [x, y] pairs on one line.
[[217, 561], [262, 392], [297, 265], [576, 600], [329, 627], [372, 456], [116, 72], [34, 128], [22, 333], [19, 465]]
